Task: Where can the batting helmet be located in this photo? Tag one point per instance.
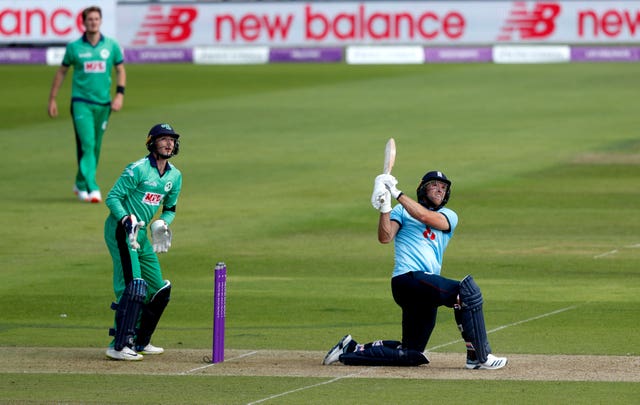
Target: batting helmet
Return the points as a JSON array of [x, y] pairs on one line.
[[422, 189], [159, 130]]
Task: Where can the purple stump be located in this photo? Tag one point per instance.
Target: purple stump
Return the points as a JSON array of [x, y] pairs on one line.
[[219, 311]]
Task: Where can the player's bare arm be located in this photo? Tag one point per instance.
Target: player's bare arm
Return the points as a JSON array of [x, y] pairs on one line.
[[431, 218], [55, 87], [121, 82], [387, 229]]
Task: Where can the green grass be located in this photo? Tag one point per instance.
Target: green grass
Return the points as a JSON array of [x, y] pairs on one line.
[[89, 389], [278, 165]]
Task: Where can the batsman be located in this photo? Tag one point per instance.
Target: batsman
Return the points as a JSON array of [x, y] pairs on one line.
[[141, 293], [421, 230]]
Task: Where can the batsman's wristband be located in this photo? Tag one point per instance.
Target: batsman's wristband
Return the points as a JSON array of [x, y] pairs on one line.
[[399, 195], [120, 89]]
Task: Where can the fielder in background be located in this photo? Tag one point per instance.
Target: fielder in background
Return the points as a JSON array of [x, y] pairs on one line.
[[142, 294], [92, 57], [421, 231]]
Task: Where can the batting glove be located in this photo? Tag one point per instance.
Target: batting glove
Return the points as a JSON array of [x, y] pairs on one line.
[[386, 178], [131, 227], [378, 192], [390, 183], [161, 235], [385, 202]]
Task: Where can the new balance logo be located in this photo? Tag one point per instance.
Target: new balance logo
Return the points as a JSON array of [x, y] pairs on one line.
[[535, 24], [160, 28]]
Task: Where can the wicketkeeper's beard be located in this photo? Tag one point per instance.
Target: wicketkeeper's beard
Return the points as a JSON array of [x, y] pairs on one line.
[[162, 155]]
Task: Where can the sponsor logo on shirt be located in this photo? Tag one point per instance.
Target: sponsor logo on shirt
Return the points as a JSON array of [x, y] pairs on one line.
[[152, 198], [95, 66], [429, 234]]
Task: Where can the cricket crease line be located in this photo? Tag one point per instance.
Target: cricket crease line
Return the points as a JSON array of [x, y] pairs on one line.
[[614, 251], [308, 387], [509, 325], [213, 364], [609, 253]]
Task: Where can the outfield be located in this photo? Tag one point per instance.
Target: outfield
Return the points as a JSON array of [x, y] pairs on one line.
[[278, 165]]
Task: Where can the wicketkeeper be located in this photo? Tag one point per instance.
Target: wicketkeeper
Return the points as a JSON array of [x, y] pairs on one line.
[[421, 230], [141, 292]]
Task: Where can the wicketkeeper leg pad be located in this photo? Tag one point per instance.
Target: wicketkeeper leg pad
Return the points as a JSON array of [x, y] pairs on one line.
[[472, 324], [381, 353], [151, 314], [127, 313]]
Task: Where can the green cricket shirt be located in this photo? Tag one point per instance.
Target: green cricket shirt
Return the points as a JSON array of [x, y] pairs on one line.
[[92, 66], [141, 191]]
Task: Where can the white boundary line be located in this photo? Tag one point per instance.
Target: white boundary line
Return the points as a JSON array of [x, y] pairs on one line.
[[433, 348]]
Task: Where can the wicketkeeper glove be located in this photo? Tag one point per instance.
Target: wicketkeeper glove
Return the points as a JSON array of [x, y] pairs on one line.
[[161, 235], [131, 227]]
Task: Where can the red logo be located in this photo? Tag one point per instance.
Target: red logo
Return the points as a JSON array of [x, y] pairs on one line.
[[534, 24], [95, 66], [158, 28], [429, 234], [152, 199]]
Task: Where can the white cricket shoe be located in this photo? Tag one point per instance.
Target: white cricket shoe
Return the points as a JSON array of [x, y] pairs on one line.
[[334, 354], [81, 194], [492, 363], [125, 354], [149, 349], [95, 197]]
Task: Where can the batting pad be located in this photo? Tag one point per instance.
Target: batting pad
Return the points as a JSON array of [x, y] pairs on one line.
[[473, 326], [151, 314], [127, 312]]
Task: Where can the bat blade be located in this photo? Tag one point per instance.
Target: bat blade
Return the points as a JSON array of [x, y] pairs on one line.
[[389, 156], [389, 160]]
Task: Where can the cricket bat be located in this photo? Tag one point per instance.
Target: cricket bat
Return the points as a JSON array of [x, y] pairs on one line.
[[389, 156], [389, 160]]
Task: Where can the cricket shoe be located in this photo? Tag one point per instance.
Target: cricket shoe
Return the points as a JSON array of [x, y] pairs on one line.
[[149, 349], [492, 363], [81, 194], [95, 197], [125, 354], [345, 345]]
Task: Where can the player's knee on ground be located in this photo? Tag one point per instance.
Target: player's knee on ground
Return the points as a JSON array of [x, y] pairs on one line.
[[383, 355]]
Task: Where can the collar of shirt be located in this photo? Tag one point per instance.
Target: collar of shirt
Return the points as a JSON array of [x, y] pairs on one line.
[[84, 38], [154, 162]]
